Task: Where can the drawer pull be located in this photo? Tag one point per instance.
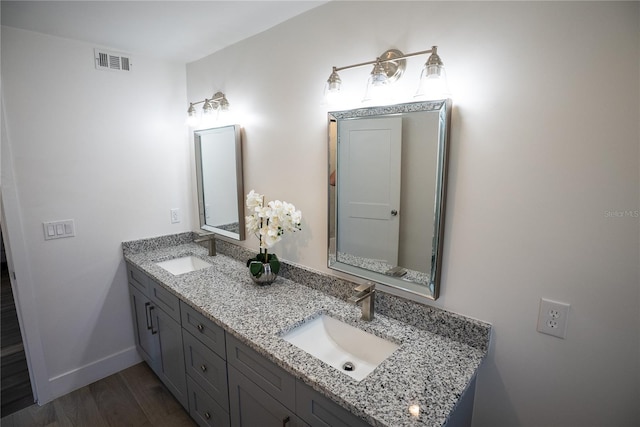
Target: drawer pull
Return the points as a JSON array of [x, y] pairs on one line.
[[147, 314], [207, 415], [286, 421], [203, 368], [150, 315], [200, 327]]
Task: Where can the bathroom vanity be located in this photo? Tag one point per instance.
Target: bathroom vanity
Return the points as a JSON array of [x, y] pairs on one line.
[[216, 340]]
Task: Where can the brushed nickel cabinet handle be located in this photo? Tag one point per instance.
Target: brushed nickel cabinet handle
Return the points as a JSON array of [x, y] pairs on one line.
[[200, 327], [152, 331], [203, 368], [147, 314], [207, 415]]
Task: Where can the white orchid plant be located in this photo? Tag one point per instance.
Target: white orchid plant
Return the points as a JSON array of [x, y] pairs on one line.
[[269, 223]]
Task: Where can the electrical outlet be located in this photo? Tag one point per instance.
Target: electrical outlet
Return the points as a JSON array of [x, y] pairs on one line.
[[552, 318], [175, 215]]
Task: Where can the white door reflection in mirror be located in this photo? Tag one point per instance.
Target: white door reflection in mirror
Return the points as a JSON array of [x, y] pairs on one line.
[[369, 200], [387, 191]]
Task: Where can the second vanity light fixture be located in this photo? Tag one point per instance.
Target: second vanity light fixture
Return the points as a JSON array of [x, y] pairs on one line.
[[388, 68], [217, 103]]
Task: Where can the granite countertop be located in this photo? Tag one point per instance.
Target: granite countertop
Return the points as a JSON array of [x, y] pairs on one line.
[[428, 369]]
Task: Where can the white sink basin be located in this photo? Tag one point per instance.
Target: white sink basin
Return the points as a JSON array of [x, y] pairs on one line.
[[348, 349], [183, 265]]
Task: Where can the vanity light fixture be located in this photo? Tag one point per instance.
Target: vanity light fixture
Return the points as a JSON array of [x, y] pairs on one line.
[[388, 68], [217, 103]]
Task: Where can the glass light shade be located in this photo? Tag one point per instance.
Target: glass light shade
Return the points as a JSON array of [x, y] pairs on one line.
[[192, 116], [193, 121], [377, 91], [433, 83], [331, 96], [332, 89], [224, 104], [207, 109], [378, 86]]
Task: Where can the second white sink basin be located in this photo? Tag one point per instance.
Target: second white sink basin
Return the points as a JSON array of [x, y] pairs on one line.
[[183, 265], [348, 349]]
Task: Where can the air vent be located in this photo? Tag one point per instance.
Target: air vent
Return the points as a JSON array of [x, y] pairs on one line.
[[112, 61]]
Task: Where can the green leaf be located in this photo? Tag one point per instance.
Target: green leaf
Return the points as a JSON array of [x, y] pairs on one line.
[[255, 267], [275, 264]]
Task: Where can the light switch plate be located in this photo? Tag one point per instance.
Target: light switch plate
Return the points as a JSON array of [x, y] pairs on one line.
[[59, 229]]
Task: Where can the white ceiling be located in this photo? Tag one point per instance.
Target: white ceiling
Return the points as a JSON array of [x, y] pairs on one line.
[[174, 30]]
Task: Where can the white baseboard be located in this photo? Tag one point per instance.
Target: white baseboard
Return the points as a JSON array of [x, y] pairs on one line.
[[77, 378]]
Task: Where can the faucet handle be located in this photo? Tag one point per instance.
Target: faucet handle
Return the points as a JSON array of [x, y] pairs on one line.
[[365, 287], [205, 234]]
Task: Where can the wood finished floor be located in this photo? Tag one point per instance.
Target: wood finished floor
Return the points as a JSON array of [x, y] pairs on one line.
[[133, 397], [15, 393]]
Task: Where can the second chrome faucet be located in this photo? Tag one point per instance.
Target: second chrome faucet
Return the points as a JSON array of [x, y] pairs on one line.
[[365, 294], [211, 238]]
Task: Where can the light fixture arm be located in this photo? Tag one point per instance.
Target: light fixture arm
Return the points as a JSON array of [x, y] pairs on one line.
[[382, 61], [388, 68], [217, 101]]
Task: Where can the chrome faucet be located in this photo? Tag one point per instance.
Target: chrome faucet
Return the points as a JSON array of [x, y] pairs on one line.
[[211, 238], [367, 295]]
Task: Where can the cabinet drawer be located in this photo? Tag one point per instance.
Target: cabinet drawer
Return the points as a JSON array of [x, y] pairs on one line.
[[203, 409], [271, 378], [320, 411], [251, 406], [164, 299], [137, 279], [206, 368], [203, 329]]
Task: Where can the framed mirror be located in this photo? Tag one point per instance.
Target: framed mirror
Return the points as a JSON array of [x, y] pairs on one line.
[[387, 191], [219, 179]]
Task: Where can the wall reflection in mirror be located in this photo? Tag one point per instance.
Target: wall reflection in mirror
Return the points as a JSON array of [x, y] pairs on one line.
[[219, 179], [387, 190]]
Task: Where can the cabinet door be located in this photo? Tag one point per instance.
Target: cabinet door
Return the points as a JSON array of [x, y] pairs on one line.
[[170, 367], [146, 341], [251, 406], [320, 411], [204, 409], [271, 378]]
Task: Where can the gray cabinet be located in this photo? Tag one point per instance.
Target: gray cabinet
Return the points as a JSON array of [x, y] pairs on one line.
[[252, 406], [206, 368], [158, 335], [145, 340], [222, 381], [170, 364], [319, 411], [258, 386], [269, 377], [137, 279], [204, 409], [203, 329]]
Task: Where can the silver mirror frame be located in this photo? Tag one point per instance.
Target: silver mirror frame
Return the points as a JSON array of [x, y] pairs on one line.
[[239, 181], [443, 109]]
